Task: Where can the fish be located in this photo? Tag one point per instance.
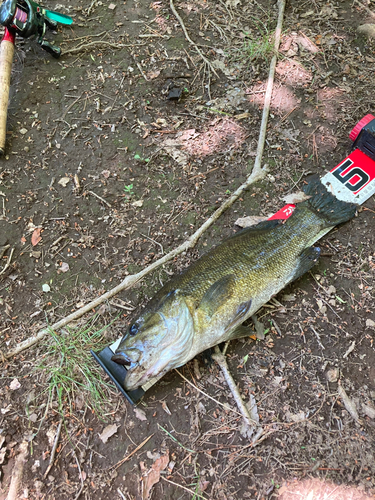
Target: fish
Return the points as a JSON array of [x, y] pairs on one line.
[[208, 302]]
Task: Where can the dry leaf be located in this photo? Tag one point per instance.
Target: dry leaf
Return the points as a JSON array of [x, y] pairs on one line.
[[153, 475], [137, 204], [153, 74], [35, 238], [64, 268], [108, 432], [295, 197], [251, 220], [368, 410], [140, 414]]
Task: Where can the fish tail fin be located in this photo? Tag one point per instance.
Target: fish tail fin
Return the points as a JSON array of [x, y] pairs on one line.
[[331, 209]]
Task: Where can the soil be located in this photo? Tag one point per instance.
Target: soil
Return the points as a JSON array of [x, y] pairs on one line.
[[116, 153]]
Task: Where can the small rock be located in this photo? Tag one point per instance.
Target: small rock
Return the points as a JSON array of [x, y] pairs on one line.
[[370, 323], [64, 181], [23, 131], [367, 30], [14, 385], [333, 375]]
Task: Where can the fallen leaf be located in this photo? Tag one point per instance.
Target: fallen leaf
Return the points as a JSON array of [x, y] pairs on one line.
[[153, 475], [232, 3], [295, 197], [251, 220], [137, 203], [35, 238], [108, 432], [64, 268], [153, 74], [368, 410], [140, 414], [23, 240], [4, 411], [14, 385], [64, 181]]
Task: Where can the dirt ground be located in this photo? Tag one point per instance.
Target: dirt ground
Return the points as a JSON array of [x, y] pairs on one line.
[[116, 153]]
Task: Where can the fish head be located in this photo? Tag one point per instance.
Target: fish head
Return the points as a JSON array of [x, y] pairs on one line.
[[159, 340]]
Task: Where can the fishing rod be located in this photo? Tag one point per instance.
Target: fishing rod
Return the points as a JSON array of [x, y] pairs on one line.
[[24, 18]]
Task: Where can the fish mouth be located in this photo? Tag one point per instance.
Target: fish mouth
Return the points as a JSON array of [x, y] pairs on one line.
[[121, 359], [133, 379]]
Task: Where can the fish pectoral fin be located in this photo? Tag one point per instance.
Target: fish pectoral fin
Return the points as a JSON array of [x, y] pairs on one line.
[[307, 260], [239, 318], [242, 331], [218, 293]]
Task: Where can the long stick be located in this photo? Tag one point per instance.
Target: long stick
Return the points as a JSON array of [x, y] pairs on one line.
[[257, 174], [20, 461], [219, 357]]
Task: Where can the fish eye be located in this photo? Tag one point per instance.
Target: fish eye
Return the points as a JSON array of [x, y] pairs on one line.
[[133, 330]]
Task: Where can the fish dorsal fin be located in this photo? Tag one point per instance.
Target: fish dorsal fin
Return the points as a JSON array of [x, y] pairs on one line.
[[239, 317], [218, 293]]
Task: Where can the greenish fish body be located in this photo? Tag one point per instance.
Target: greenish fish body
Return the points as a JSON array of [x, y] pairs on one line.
[[208, 303]]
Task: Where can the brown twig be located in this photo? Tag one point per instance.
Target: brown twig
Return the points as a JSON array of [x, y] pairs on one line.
[[224, 405], [99, 198], [92, 45], [7, 262], [193, 493], [221, 361], [178, 17], [116, 466], [257, 174], [54, 448]]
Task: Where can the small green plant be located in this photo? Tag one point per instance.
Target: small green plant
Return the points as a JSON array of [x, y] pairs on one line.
[[70, 370], [128, 190], [139, 157], [258, 48]]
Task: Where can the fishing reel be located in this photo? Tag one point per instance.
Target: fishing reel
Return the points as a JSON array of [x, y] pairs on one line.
[[26, 18]]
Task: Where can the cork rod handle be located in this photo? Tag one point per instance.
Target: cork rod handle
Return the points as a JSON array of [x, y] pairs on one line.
[[6, 60]]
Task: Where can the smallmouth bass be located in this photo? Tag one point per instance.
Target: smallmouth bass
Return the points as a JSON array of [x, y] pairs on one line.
[[208, 302]]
